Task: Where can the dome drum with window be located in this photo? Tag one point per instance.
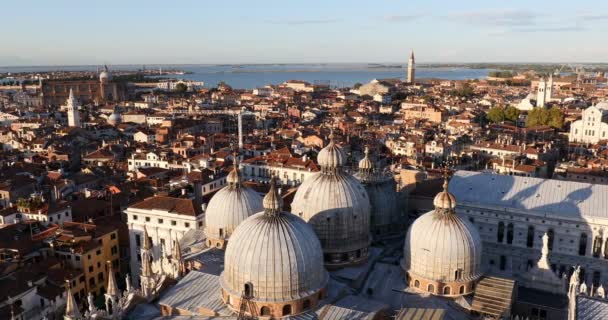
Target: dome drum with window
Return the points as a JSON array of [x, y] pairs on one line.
[[273, 265], [442, 251]]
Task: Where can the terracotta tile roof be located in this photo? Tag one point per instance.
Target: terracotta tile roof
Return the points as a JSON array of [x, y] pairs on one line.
[[170, 204]]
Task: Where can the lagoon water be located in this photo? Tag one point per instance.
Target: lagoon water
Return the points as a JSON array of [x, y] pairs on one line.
[[256, 75]]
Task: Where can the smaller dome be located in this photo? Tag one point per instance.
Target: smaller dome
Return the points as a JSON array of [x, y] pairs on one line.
[[366, 163], [105, 75], [331, 156], [444, 199], [273, 203], [115, 118], [234, 177]]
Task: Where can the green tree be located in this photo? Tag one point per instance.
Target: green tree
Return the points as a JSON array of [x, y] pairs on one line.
[[496, 114], [181, 87], [556, 118], [357, 85], [511, 113]]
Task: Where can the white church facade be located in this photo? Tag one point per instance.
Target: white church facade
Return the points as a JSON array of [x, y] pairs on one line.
[[592, 127]]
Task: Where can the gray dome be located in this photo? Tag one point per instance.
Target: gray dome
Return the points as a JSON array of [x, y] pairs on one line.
[[366, 164], [337, 207], [229, 207], [331, 156], [442, 247], [444, 199], [115, 118], [105, 75], [277, 254]]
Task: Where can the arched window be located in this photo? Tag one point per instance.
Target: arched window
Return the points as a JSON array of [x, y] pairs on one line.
[[500, 234], [458, 274], [510, 233], [431, 288], [287, 310], [417, 284], [582, 245], [596, 279], [248, 291], [530, 239], [447, 290], [306, 304], [597, 246], [265, 311], [461, 290], [503, 262], [551, 235]]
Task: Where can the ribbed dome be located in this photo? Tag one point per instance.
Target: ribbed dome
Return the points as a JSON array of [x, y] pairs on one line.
[[443, 249], [276, 254], [115, 118], [365, 163], [337, 207], [229, 207], [444, 199], [332, 156]]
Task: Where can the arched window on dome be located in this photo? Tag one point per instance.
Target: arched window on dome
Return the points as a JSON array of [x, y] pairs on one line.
[[530, 239], [265, 311], [582, 245], [447, 290], [417, 284], [286, 309], [431, 288], [461, 290], [510, 233], [248, 290], [500, 234], [458, 274]]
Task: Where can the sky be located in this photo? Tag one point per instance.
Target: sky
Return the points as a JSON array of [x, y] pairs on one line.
[[76, 32]]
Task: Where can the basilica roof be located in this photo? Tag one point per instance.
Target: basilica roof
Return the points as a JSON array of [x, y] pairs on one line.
[[558, 198]]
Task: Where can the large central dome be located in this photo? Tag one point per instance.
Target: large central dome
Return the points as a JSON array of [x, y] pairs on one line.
[[442, 251], [273, 259], [228, 208], [338, 208]]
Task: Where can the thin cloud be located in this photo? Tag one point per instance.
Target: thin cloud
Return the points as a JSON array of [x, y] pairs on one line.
[[501, 17], [402, 18], [538, 30], [301, 22], [593, 17]]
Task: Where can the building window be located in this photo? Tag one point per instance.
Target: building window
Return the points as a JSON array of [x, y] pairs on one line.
[[510, 233], [530, 239], [187, 224], [582, 245], [551, 236], [447, 290], [417, 284], [431, 288], [147, 219], [500, 235], [248, 290], [503, 263], [113, 236], [160, 221], [173, 222], [597, 246], [134, 217], [138, 240], [461, 290]]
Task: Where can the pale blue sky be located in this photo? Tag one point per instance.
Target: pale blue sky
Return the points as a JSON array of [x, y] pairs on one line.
[[72, 32]]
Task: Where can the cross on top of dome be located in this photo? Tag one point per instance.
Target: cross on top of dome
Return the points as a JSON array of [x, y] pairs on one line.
[[234, 177], [444, 201]]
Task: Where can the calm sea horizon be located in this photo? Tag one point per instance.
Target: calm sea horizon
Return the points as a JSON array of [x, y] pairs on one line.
[[249, 76]]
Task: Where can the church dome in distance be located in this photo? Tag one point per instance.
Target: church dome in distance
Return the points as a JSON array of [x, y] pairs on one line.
[[115, 118], [228, 208], [332, 155], [275, 260], [442, 250], [105, 75]]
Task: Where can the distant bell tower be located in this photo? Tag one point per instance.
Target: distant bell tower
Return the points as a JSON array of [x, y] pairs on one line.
[[411, 69], [73, 114], [544, 91]]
